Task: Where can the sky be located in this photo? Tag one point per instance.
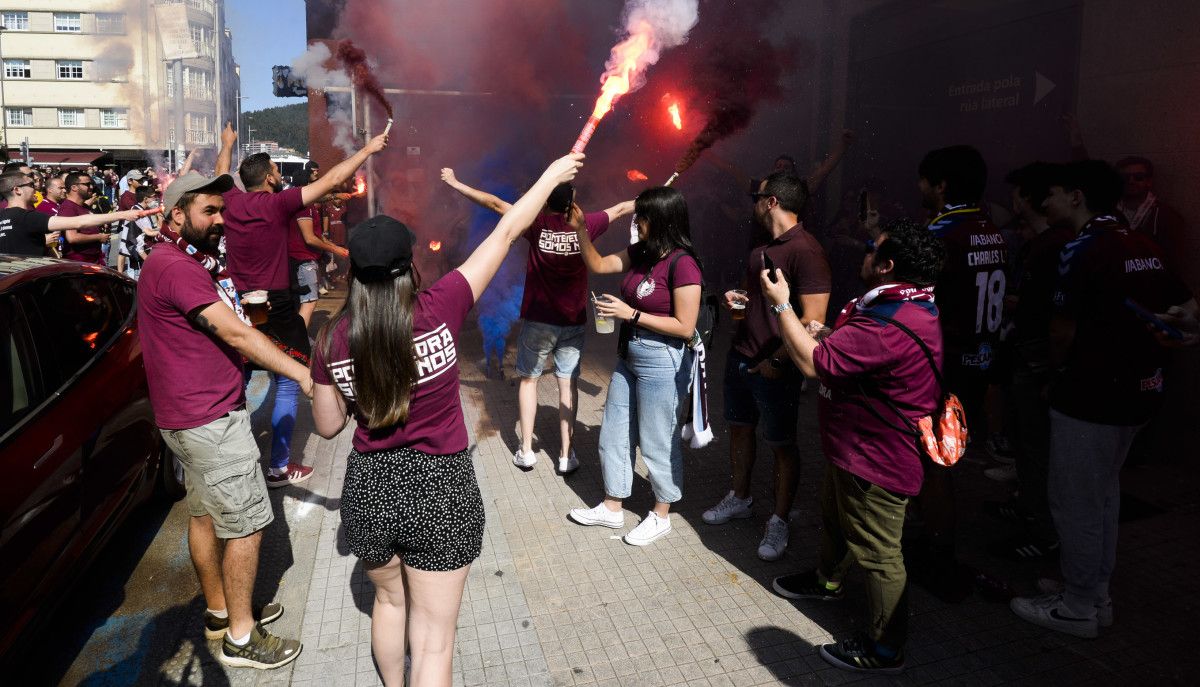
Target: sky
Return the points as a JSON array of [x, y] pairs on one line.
[[282, 23]]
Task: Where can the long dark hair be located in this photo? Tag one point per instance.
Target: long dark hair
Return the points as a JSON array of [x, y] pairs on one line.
[[381, 344], [668, 229]]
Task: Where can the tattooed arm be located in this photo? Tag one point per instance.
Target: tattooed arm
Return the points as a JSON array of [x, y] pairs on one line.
[[218, 321]]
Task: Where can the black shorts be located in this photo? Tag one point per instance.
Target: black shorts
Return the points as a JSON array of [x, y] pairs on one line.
[[424, 508]]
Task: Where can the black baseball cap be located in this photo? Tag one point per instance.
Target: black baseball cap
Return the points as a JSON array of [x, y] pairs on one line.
[[380, 248]]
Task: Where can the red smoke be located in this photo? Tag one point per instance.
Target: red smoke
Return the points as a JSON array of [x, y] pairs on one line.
[[360, 72]]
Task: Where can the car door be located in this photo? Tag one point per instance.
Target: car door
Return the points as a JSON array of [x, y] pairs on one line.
[[40, 491]]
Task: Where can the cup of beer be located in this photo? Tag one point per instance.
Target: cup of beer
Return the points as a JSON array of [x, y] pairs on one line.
[[254, 303], [738, 306], [604, 325]]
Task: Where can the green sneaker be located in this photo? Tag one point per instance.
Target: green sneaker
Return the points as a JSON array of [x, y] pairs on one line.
[[214, 627], [264, 651]]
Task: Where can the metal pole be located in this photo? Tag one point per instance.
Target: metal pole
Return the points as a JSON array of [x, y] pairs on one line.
[[370, 161], [3, 100], [180, 135]]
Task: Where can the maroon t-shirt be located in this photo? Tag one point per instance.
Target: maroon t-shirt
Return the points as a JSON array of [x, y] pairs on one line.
[[645, 286], [861, 354], [256, 237], [47, 207], [83, 252], [1113, 372], [435, 417], [194, 377], [800, 257], [971, 289], [127, 200], [556, 290], [297, 248]]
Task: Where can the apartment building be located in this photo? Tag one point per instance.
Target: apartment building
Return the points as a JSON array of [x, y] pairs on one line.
[[89, 82]]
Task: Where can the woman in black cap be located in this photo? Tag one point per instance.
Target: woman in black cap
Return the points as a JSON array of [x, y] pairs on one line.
[[410, 503]]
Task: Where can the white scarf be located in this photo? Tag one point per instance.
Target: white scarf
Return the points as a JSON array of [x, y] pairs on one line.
[[1135, 222], [697, 431]]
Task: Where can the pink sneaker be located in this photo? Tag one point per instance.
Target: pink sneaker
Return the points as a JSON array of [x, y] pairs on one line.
[[295, 474]]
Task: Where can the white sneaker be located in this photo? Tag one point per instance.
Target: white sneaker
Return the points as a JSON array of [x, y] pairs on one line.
[[729, 508], [568, 463], [775, 541], [600, 515], [524, 460], [1003, 473], [649, 529], [1050, 612]]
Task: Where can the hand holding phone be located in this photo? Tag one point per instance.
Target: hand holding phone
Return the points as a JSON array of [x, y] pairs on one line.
[[769, 266]]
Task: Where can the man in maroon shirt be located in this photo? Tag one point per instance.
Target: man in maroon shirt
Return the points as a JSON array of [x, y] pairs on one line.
[[257, 224], [82, 244], [56, 193], [194, 336], [553, 309], [1110, 382], [877, 381], [760, 381], [129, 198], [970, 294]]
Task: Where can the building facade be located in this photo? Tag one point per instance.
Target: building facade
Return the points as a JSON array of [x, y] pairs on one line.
[[88, 82]]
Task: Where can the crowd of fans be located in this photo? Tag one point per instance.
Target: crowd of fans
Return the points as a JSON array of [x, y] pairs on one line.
[[1062, 317]]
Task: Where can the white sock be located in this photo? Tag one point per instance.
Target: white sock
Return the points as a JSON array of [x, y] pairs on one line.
[[219, 614], [275, 472], [240, 642]]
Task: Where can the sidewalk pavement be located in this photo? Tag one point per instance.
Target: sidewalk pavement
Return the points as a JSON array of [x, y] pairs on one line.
[[552, 603]]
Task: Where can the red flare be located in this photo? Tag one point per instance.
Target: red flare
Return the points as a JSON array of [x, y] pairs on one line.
[[360, 186], [676, 118], [435, 246], [635, 175]]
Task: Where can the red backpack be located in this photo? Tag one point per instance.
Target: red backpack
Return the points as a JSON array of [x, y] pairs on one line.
[[942, 436]]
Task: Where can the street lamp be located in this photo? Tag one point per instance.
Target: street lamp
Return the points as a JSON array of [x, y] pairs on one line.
[[240, 98], [250, 136]]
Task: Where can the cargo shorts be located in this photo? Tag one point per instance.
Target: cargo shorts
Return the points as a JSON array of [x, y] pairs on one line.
[[222, 474]]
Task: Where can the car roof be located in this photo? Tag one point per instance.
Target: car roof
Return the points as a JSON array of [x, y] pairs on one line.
[[17, 269]]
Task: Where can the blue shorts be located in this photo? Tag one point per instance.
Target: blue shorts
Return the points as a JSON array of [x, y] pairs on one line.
[[749, 397], [306, 275], [538, 340]]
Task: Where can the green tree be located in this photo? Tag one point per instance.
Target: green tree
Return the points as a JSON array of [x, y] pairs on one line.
[[287, 126]]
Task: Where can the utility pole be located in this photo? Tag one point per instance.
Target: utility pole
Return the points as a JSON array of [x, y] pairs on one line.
[[180, 135], [3, 101]]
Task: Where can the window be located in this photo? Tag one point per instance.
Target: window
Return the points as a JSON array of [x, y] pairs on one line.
[[80, 318], [114, 119], [110, 22], [18, 384], [17, 69], [67, 22], [15, 21], [70, 117], [19, 116], [170, 82], [70, 69], [197, 84]]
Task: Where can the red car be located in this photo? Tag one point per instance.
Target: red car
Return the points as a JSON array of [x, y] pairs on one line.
[[78, 444]]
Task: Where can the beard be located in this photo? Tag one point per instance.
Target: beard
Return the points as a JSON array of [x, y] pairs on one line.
[[208, 240]]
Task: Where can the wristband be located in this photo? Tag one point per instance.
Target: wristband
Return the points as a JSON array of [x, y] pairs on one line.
[[636, 314]]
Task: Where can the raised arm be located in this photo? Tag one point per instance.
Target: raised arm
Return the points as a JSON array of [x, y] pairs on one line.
[[483, 198], [596, 264], [483, 263], [799, 342], [619, 210], [72, 224], [831, 161], [187, 162], [316, 242], [225, 155], [342, 171]]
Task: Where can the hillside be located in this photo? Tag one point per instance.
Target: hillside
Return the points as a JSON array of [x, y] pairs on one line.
[[287, 125]]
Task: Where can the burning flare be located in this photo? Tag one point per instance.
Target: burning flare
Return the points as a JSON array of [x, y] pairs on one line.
[[635, 175], [360, 186], [676, 118], [435, 246]]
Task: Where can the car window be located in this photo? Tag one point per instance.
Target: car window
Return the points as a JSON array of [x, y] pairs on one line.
[[18, 393], [79, 317]]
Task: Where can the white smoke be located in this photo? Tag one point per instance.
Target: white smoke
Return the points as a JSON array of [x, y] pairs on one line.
[[670, 19], [310, 68]]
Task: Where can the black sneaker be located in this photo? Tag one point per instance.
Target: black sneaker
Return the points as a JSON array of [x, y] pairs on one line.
[[1006, 510], [264, 651], [214, 627], [854, 654], [805, 585], [1026, 549]]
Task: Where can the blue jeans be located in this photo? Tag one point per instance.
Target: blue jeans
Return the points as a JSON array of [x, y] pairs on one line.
[[283, 418], [646, 400]]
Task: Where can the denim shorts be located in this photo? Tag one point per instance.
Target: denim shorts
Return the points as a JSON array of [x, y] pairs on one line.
[[306, 276], [222, 474], [751, 397], [538, 340]]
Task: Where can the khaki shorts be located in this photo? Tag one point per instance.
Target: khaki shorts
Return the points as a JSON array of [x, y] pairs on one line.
[[223, 477]]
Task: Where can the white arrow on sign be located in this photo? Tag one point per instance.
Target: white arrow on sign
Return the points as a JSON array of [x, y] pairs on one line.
[[1043, 88]]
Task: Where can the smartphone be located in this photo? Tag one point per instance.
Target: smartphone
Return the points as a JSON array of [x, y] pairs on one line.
[[769, 266], [1153, 320]]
